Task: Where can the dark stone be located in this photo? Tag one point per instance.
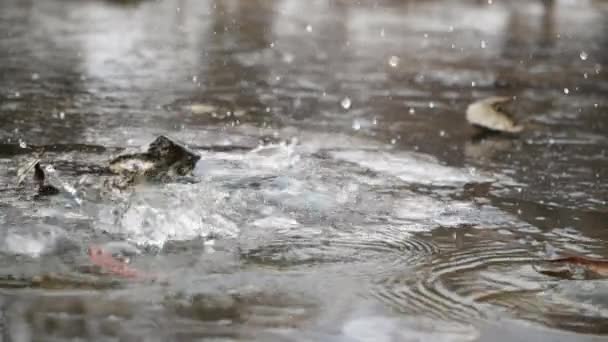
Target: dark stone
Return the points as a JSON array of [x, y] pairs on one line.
[[165, 157]]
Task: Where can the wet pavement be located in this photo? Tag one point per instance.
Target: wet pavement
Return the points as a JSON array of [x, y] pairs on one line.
[[341, 194]]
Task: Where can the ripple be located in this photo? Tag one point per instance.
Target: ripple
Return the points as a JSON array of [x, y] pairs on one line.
[[480, 283], [440, 290], [308, 246]]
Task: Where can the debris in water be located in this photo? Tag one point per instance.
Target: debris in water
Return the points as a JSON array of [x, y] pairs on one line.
[[40, 179], [490, 114], [577, 266], [106, 262]]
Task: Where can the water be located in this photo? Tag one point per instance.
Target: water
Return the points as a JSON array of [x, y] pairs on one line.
[[340, 196]]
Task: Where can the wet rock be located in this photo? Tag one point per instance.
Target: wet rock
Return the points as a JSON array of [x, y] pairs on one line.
[[165, 157], [491, 114]]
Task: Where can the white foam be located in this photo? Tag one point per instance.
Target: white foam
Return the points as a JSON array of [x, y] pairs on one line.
[[32, 241], [153, 216]]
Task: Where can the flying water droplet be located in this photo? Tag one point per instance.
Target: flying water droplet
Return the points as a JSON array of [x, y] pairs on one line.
[[483, 44], [22, 144], [35, 76], [442, 133], [412, 111], [346, 103], [566, 91], [61, 115], [308, 28], [194, 79], [431, 104], [382, 33], [393, 61], [584, 55], [288, 58], [356, 125]]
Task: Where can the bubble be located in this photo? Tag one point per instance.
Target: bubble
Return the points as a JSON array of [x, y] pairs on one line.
[[346, 103], [393, 61]]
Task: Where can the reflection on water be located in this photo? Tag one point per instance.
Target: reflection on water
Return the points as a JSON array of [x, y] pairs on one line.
[[340, 195]]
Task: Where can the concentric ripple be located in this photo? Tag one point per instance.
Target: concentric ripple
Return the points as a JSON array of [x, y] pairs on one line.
[[479, 283], [292, 249], [445, 289]]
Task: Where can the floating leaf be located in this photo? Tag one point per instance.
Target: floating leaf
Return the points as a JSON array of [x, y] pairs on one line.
[[490, 113]]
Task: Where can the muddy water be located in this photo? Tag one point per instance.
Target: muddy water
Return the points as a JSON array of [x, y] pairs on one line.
[[340, 195]]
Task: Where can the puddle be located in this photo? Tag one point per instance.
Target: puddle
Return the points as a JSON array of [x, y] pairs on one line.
[[340, 195]]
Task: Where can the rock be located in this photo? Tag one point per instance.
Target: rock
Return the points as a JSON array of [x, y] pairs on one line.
[[490, 114], [165, 157]]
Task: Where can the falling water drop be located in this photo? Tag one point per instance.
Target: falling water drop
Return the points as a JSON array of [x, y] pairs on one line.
[[393, 61], [345, 103]]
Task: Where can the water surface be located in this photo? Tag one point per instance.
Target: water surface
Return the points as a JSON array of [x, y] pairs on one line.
[[340, 196]]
